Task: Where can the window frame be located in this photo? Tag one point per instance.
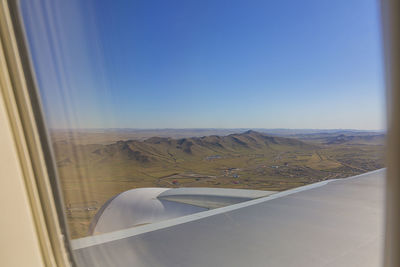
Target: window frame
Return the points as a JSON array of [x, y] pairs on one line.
[[35, 155]]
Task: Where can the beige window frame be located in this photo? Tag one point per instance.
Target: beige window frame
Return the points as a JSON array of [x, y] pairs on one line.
[[27, 143]]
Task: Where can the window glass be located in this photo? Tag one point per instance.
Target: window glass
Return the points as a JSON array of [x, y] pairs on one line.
[[159, 95]]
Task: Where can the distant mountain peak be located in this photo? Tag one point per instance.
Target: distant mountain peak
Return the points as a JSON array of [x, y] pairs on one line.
[[251, 132]]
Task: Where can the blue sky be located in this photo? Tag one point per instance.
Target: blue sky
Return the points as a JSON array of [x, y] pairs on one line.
[[208, 63]]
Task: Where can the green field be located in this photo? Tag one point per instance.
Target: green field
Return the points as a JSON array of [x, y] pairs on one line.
[[92, 173]]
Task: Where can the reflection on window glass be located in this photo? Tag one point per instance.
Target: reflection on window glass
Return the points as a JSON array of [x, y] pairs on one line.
[[154, 95]]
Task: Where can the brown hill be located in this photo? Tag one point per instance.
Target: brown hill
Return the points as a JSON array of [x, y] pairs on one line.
[[167, 149], [378, 139]]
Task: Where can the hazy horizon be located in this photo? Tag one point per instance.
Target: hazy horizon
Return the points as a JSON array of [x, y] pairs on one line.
[[235, 128]]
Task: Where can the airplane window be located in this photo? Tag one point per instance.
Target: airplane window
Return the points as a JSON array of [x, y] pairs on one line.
[[222, 127]]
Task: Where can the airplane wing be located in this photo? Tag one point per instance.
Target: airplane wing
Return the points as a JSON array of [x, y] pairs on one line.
[[330, 223]]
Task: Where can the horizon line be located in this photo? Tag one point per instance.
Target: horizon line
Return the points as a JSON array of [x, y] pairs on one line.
[[214, 128]]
